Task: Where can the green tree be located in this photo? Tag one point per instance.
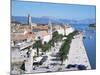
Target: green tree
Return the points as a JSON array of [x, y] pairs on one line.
[[64, 50], [45, 47], [56, 37], [37, 45]]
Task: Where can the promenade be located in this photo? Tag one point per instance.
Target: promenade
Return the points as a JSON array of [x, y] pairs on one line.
[[77, 53]]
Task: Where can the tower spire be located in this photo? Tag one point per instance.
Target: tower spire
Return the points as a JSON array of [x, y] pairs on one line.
[[29, 19], [50, 29]]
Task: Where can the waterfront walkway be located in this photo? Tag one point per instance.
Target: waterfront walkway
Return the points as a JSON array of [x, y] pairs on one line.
[[77, 53]]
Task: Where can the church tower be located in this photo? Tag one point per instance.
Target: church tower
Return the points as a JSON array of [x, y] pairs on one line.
[[30, 21], [50, 28]]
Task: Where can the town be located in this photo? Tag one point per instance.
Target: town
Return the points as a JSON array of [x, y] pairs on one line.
[[46, 48]]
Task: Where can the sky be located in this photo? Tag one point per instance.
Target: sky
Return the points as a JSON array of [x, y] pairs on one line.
[[63, 11]]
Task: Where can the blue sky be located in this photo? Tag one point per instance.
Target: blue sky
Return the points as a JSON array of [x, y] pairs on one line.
[[66, 11]]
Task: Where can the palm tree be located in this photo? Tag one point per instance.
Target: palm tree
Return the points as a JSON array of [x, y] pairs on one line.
[[60, 36], [37, 45], [63, 58], [46, 46], [56, 37], [64, 50], [62, 53]]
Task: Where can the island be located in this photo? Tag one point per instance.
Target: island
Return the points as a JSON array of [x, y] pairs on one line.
[[92, 26]]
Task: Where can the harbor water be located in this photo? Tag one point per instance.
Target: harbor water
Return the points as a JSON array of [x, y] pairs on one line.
[[89, 42]]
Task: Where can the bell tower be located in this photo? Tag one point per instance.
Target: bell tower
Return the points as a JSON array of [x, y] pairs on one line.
[[29, 19], [50, 28]]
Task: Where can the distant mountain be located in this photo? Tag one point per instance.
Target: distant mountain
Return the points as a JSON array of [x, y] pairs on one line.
[[45, 20], [20, 19], [87, 21]]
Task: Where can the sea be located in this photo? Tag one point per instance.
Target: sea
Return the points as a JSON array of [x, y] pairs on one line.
[[89, 42]]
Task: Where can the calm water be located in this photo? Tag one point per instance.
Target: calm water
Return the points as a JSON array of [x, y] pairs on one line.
[[89, 42]]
